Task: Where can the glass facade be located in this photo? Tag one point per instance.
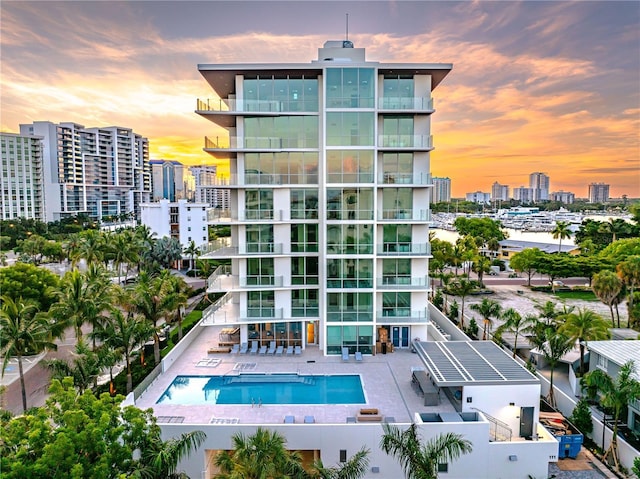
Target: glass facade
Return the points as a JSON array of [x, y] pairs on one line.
[[332, 160]]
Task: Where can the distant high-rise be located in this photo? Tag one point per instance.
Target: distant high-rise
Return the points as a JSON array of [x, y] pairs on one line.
[[479, 197], [565, 197], [21, 177], [539, 182], [211, 189], [441, 191], [524, 195], [499, 192], [97, 171], [171, 180], [598, 192]]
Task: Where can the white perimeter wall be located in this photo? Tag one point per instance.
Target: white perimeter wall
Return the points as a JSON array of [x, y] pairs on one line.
[[487, 460]]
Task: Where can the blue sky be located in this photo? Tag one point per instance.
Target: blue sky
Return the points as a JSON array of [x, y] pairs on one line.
[[536, 86]]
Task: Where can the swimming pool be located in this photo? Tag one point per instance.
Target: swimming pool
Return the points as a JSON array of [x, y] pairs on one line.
[[265, 389]]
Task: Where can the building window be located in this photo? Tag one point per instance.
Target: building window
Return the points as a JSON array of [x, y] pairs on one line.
[[304, 238], [304, 303], [258, 204], [260, 272], [350, 88], [443, 467], [349, 307], [349, 203], [356, 338], [349, 273], [350, 129], [304, 270], [350, 166], [603, 363], [304, 204]]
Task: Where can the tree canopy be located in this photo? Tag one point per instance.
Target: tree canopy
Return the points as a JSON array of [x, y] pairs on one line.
[[81, 436], [484, 228], [29, 282]]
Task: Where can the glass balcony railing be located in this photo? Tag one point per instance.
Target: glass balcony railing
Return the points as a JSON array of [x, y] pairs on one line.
[[262, 313], [261, 280], [258, 143], [406, 103], [405, 141], [402, 281], [349, 248], [402, 314], [391, 178], [405, 214], [392, 249], [231, 105]]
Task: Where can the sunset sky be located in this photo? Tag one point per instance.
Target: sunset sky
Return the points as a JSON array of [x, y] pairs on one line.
[[535, 86]]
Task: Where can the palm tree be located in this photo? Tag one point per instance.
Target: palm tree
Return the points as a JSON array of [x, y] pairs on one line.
[[561, 231], [177, 299], [481, 266], [24, 331], [462, 287], [84, 367], [629, 272], [548, 312], [124, 333], [493, 245], [516, 324], [615, 227], [192, 250], [159, 459], [420, 461], [262, 455], [616, 394], [124, 251], [555, 346], [488, 309], [151, 301], [606, 286], [583, 326], [354, 468]]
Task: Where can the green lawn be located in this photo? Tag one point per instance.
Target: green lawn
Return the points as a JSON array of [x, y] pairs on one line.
[[584, 295]]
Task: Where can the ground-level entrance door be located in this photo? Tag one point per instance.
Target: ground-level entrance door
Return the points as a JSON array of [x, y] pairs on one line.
[[400, 336], [312, 332]]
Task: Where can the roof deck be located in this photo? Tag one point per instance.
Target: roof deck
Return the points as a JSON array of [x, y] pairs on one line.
[[386, 380]]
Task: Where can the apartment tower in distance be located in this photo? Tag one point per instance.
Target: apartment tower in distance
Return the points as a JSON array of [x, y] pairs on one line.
[[441, 191], [96, 171], [21, 177], [598, 192], [539, 182], [499, 192]]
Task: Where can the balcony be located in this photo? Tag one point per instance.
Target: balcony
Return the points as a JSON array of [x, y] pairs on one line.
[[391, 178], [261, 314], [402, 282], [409, 142], [402, 315], [217, 250], [404, 214], [404, 249], [419, 104], [264, 143], [231, 105], [349, 248]]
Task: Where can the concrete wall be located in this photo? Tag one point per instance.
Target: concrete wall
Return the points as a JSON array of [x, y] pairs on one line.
[[182, 346], [486, 461], [445, 324]]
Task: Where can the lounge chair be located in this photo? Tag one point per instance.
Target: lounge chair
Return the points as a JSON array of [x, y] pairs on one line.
[[244, 348], [297, 350], [235, 349], [254, 347], [289, 350], [263, 350], [289, 419], [272, 347], [358, 356], [279, 350], [345, 354], [309, 419]]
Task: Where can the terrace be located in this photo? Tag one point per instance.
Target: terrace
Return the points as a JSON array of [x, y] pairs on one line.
[[386, 380]]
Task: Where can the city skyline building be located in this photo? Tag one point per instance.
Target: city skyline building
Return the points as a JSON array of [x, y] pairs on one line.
[[499, 192], [21, 177], [565, 197], [171, 180], [524, 194], [479, 197], [539, 182], [101, 172], [441, 191], [598, 192]]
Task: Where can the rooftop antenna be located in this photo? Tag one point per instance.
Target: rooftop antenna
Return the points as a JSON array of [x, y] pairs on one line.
[[347, 37]]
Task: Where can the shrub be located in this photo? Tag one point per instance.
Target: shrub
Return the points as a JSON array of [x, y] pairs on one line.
[[581, 417], [438, 300]]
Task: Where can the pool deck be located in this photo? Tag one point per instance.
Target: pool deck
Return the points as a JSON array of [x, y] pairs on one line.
[[386, 380]]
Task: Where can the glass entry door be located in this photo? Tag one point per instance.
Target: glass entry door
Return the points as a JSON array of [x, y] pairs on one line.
[[400, 336]]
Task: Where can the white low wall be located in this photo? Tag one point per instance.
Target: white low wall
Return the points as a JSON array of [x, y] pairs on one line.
[[446, 325], [182, 345]]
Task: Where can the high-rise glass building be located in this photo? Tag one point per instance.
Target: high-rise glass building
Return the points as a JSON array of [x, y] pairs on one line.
[[441, 191], [21, 177], [598, 192], [330, 192]]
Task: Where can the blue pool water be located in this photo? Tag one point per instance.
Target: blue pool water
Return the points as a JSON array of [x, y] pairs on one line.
[[265, 389]]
